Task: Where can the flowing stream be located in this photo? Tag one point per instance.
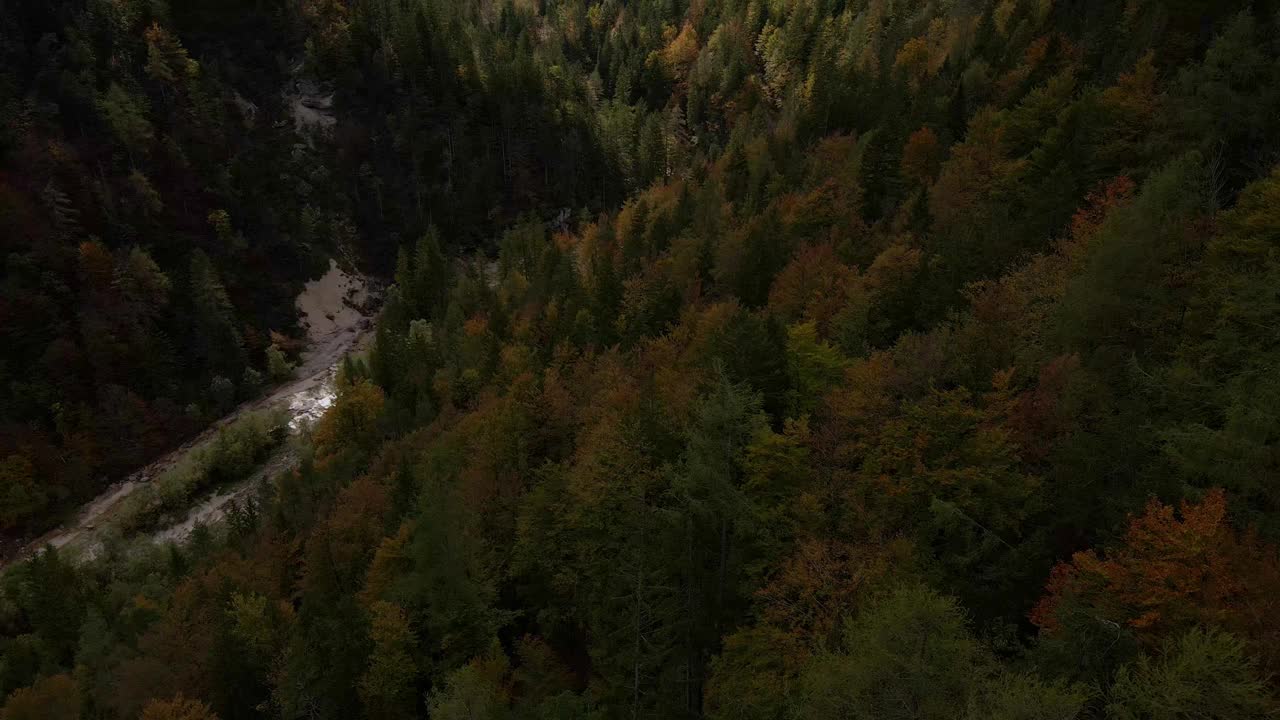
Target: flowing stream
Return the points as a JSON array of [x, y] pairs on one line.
[[337, 317]]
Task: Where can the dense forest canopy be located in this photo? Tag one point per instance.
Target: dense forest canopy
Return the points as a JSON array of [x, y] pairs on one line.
[[741, 359]]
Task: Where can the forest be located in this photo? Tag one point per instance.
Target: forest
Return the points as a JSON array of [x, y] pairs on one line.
[[739, 359]]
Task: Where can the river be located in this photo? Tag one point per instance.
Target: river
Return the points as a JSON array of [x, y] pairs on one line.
[[335, 311]]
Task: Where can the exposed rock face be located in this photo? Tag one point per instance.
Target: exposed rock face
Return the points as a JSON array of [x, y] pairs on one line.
[[311, 105]]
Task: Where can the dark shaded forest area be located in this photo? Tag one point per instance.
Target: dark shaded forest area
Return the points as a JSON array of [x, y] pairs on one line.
[[742, 359]]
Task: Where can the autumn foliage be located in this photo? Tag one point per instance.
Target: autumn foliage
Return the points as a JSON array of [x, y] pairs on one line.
[[736, 360], [1174, 569]]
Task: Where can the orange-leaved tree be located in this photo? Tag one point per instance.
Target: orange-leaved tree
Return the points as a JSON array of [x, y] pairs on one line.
[[1173, 571]]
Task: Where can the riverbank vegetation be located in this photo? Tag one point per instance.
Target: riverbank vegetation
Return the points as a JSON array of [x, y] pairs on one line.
[[230, 456]]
